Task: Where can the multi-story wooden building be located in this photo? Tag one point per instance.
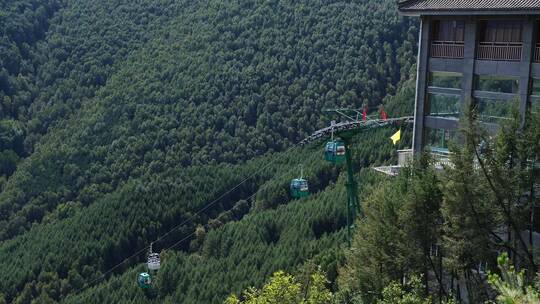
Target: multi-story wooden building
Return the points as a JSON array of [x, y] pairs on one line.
[[479, 53]]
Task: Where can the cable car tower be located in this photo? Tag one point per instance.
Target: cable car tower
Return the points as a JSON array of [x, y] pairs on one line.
[[338, 149]]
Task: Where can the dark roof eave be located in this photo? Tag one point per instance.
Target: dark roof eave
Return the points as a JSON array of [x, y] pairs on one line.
[[455, 12]]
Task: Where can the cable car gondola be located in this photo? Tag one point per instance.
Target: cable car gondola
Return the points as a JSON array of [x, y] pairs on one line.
[[144, 280], [153, 264], [334, 151], [299, 186]]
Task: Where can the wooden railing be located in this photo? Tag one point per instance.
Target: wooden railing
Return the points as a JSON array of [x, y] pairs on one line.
[[447, 49], [499, 51], [536, 57]]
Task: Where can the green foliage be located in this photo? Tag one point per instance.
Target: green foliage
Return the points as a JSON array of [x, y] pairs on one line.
[[244, 253], [467, 209], [131, 89], [284, 288], [398, 213], [490, 189], [395, 293], [511, 285], [119, 120], [447, 225]]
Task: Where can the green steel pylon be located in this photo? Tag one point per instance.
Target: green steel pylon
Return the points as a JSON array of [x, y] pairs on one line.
[[353, 206], [346, 131]]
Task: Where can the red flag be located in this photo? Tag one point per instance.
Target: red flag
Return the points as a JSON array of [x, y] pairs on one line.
[[364, 114]]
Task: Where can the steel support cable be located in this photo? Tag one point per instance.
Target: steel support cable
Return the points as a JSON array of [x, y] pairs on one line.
[[206, 225], [318, 135], [189, 219]]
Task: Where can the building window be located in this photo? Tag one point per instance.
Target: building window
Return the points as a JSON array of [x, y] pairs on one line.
[[493, 110], [500, 40], [448, 30], [493, 83], [535, 95], [536, 219], [445, 80], [500, 31], [536, 56], [438, 139], [535, 104], [444, 105], [447, 38], [535, 91]]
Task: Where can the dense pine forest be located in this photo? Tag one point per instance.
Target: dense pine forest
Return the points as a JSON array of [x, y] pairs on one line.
[[184, 84], [177, 123], [120, 120]]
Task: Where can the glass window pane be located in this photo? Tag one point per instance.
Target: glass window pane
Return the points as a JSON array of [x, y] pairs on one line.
[[536, 87], [448, 30], [537, 40], [490, 35], [535, 105], [501, 84], [445, 80], [438, 139], [502, 31], [499, 37], [444, 105], [460, 30], [492, 110]]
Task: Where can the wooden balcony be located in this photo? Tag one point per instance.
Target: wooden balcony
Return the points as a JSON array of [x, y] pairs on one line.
[[536, 57], [447, 49], [505, 51]]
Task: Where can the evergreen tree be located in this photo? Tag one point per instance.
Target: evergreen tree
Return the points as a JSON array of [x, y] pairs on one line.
[[401, 224], [511, 285], [283, 288], [489, 199]]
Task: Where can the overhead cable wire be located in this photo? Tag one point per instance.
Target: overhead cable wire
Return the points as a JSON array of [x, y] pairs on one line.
[[189, 219], [204, 208]]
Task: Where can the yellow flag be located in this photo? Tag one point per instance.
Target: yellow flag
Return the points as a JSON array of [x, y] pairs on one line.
[[396, 137]]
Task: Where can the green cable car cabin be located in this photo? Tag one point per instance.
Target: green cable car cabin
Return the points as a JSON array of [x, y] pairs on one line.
[[334, 151], [144, 280], [153, 264], [299, 188]]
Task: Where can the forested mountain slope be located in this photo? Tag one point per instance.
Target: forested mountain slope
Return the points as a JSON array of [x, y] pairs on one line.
[[222, 82], [244, 253], [56, 54], [124, 118]]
